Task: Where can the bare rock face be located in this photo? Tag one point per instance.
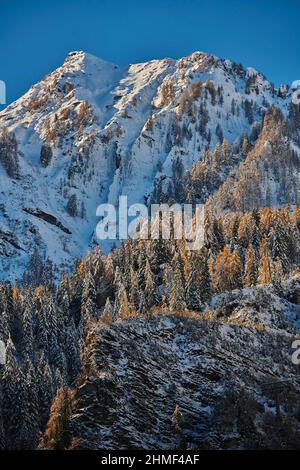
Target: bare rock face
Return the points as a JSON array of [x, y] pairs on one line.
[[193, 382]]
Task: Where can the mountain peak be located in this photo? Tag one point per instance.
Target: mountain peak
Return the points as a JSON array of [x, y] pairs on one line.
[[85, 61], [92, 130]]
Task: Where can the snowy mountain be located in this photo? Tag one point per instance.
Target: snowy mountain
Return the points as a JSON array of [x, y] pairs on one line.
[[91, 131]]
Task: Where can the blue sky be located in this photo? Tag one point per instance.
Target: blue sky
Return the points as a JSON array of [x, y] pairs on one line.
[[35, 36]]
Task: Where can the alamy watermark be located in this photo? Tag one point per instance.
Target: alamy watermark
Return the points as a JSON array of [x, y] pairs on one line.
[[2, 352], [2, 92], [296, 353], [180, 222]]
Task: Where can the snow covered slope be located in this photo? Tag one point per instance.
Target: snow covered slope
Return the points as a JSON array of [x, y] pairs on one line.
[[91, 130], [194, 382]]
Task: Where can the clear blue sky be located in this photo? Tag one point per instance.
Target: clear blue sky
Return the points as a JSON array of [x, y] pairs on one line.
[[35, 36]]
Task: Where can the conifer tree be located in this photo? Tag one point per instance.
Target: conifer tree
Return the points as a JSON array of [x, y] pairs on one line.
[[107, 315], [264, 271], [143, 304], [219, 133], [56, 436], [44, 390], [63, 302], [225, 151], [134, 295], [141, 267], [228, 271], [98, 266], [217, 156], [30, 425], [198, 282], [295, 216], [28, 342], [72, 353], [149, 286], [13, 398], [4, 323], [245, 146], [280, 244], [121, 303], [177, 291], [117, 278], [250, 273], [59, 381], [277, 275]]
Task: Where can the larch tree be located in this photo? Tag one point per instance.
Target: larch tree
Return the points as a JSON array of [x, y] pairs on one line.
[[228, 271], [121, 303], [265, 263], [56, 436]]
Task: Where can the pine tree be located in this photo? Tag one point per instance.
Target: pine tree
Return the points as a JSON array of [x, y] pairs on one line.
[[41, 329], [63, 306], [44, 389], [98, 266], [28, 342], [149, 286], [46, 155], [245, 146], [9, 153], [250, 274], [219, 133], [280, 245], [14, 309], [277, 275], [248, 111], [4, 323], [30, 425], [72, 206], [141, 267], [177, 291], [214, 234], [217, 156], [72, 353], [121, 303], [198, 282], [247, 230], [13, 398], [108, 314], [117, 278], [88, 300], [134, 295], [143, 304], [225, 151], [59, 381]]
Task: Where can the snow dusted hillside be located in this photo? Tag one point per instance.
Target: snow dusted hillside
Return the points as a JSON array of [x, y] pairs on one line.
[[91, 130], [195, 381]]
